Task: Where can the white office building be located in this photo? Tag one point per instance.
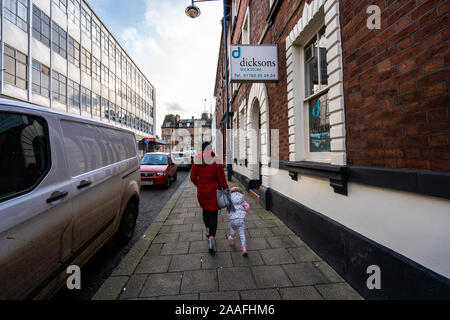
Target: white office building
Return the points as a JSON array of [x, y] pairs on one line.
[[59, 54]]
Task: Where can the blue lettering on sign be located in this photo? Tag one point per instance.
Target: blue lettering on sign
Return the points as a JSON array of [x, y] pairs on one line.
[[236, 53], [316, 109]]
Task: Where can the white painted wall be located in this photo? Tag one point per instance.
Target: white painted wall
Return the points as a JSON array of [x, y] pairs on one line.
[[40, 52], [59, 16], [40, 100], [43, 5], [415, 226], [15, 37]]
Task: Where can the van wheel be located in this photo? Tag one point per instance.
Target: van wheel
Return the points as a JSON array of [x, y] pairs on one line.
[[128, 223]]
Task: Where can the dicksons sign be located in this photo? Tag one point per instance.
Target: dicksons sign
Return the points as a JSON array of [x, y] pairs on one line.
[[254, 63]]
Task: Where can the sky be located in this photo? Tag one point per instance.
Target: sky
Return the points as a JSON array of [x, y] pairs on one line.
[[177, 54]]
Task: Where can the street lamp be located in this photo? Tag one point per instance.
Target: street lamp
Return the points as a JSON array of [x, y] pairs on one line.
[[193, 11]]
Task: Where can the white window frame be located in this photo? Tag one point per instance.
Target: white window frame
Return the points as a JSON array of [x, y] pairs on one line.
[[308, 155], [302, 121], [316, 14]]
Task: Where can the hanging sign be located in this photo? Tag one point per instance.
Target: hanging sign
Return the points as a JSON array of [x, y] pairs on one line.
[[254, 63]]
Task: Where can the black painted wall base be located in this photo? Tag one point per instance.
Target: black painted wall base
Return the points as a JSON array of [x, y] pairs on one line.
[[248, 184], [350, 254]]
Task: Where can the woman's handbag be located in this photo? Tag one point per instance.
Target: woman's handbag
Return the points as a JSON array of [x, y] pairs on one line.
[[223, 199], [223, 196]]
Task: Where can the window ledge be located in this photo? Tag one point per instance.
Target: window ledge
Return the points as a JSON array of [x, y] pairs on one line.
[[336, 174]]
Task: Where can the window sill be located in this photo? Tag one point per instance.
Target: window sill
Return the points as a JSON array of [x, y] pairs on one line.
[[336, 174], [317, 94]]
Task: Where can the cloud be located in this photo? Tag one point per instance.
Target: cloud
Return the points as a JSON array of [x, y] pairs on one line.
[[175, 107], [177, 54]]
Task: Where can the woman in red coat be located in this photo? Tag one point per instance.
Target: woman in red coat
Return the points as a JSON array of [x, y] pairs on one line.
[[208, 177]]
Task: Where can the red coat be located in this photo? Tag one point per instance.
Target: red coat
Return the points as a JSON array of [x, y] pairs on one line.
[[208, 178]]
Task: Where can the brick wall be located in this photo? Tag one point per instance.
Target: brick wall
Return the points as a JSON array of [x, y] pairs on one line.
[[396, 84]]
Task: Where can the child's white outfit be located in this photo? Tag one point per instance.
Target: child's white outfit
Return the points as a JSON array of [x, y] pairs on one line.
[[237, 217]]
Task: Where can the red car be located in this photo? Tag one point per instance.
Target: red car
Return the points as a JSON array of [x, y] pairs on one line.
[[157, 168]]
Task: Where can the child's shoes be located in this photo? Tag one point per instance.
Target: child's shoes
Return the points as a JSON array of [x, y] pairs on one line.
[[231, 241], [244, 251]]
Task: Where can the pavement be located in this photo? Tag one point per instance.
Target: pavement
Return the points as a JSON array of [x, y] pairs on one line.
[[171, 261]]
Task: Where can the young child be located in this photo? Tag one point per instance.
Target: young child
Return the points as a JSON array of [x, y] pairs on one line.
[[237, 218]]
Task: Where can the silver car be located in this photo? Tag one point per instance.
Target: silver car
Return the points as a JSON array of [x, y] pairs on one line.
[[67, 185], [182, 159]]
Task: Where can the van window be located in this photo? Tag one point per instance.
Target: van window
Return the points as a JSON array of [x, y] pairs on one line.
[[90, 147], [24, 153]]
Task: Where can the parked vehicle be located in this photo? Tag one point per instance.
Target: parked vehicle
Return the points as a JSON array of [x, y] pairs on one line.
[[67, 185], [157, 168], [182, 159]]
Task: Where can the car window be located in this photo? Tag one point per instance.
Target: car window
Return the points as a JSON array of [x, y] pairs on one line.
[[25, 153], [155, 160]]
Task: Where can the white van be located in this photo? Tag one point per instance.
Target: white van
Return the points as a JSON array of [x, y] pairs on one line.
[[67, 185]]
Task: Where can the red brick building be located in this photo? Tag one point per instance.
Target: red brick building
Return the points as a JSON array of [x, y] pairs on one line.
[[359, 162]]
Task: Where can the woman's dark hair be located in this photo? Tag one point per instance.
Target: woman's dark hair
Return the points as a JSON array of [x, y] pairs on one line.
[[205, 145]]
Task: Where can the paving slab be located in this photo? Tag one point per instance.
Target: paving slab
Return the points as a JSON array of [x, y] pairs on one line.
[[223, 296], [270, 277], [153, 264], [190, 236], [338, 291], [305, 274], [172, 222], [260, 232], [276, 256], [253, 259], [198, 247], [329, 272], [264, 294], [175, 248], [133, 288], [163, 284], [154, 250], [166, 238], [218, 260], [111, 288], [185, 262], [181, 228], [300, 293], [281, 242], [180, 297], [304, 254], [199, 281], [236, 279]]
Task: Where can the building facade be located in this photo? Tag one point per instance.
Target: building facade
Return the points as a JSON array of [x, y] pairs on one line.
[[60, 55], [186, 134], [352, 144]]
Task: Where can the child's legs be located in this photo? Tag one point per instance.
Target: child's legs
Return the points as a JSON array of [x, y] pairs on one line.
[[242, 234], [234, 225], [232, 231]]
